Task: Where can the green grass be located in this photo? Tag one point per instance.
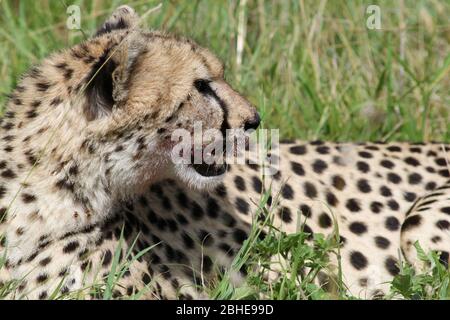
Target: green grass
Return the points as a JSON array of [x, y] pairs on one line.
[[315, 72], [312, 67]]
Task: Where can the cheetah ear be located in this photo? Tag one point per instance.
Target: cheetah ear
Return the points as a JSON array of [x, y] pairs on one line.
[[110, 76], [124, 17]]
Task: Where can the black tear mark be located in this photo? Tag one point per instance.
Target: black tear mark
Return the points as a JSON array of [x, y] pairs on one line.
[[204, 88]]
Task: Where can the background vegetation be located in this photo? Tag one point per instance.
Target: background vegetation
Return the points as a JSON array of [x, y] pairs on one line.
[[314, 70]]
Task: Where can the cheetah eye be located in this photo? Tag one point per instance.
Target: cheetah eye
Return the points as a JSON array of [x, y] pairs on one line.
[[202, 86]]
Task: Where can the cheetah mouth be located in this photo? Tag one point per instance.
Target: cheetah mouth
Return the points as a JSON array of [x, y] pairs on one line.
[[209, 170]]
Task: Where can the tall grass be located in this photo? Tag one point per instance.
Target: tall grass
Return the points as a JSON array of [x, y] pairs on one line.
[[312, 67]]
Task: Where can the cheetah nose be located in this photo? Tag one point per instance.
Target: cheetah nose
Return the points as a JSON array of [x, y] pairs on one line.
[[252, 123]]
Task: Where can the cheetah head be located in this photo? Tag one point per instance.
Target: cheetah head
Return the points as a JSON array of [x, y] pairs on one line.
[[149, 86]]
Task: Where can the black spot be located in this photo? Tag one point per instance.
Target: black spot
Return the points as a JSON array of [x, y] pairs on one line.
[[8, 126], [35, 103], [363, 186], [42, 278], [382, 242], [353, 205], [319, 166], [414, 178], [338, 182], [358, 260], [8, 148], [42, 295], [443, 224], [172, 225], [298, 150], [394, 178], [391, 266], [387, 164], [445, 210], [181, 219], [444, 258], [10, 115], [385, 191], [221, 190], [411, 222], [242, 205], [3, 212], [363, 166], [436, 239], [444, 173], [65, 184], [325, 220], [43, 86], [430, 169], [187, 240], [206, 263], [212, 208], [409, 196], [393, 205], [365, 154], [257, 184], [45, 261], [205, 238], [146, 278], [441, 162], [27, 197], [182, 200], [196, 211], [68, 73], [306, 210], [358, 228], [392, 223], [56, 101], [285, 214], [8, 174], [310, 190], [430, 186], [71, 247], [239, 236], [8, 138], [412, 161], [287, 192], [323, 150], [239, 183], [297, 168], [226, 248], [331, 199], [227, 219], [394, 148], [107, 257], [2, 193], [305, 228]]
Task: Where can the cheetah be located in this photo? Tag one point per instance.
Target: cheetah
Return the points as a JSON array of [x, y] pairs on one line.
[[86, 173]]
